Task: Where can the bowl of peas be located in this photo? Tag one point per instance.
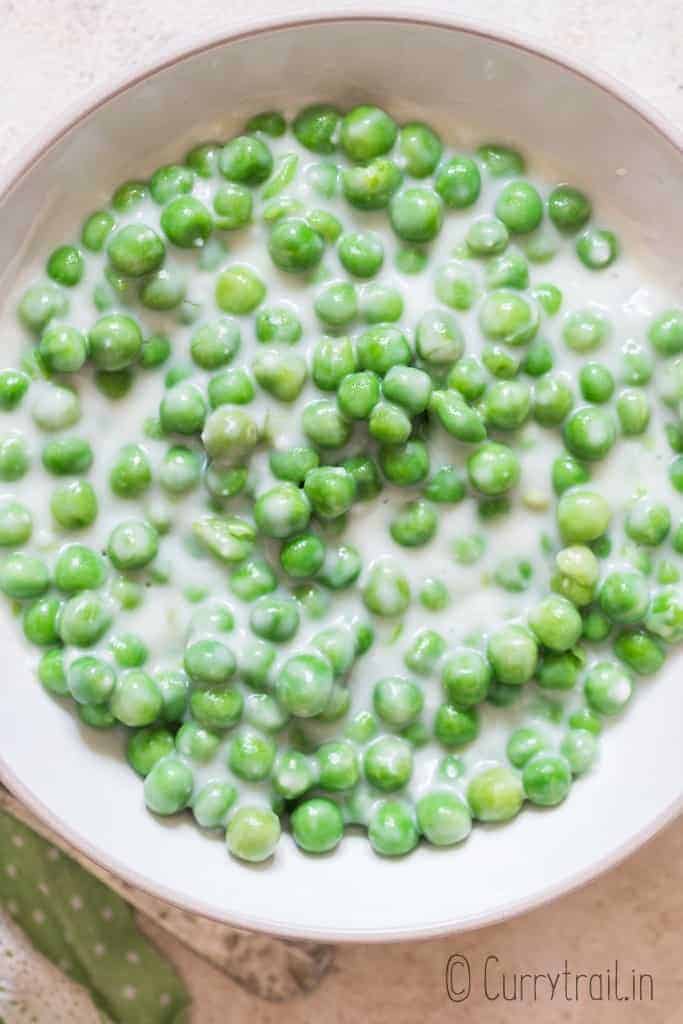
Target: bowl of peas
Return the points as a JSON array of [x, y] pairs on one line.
[[341, 462]]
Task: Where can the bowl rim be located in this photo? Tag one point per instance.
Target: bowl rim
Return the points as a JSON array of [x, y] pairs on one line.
[[50, 135]]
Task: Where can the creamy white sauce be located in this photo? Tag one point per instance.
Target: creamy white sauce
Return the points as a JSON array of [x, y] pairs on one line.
[[623, 293]]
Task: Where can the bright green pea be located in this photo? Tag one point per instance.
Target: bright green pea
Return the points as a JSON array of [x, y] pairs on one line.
[[324, 425], [495, 794], [420, 148], [582, 515], [624, 596], [519, 207], [78, 568], [647, 521], [316, 128], [391, 829], [549, 297], [253, 834], [251, 579], [568, 208], [585, 330], [282, 511], [229, 435], [388, 763], [304, 684], [278, 324], [508, 317], [640, 651], [212, 803], [666, 333], [302, 556], [16, 523], [74, 505], [589, 433], [84, 619], [493, 469], [39, 304], [233, 205], [414, 524], [367, 132], [556, 623], [665, 614], [455, 285], [282, 374], [96, 229], [337, 766], [337, 304], [608, 688], [239, 290], [233, 386], [507, 404], [443, 818], [317, 825], [168, 786], [386, 591], [274, 618], [416, 214], [513, 654], [579, 747], [132, 544], [523, 744], [546, 779], [633, 410], [252, 755], [295, 246], [63, 349], [597, 248], [458, 182], [371, 186], [361, 253]]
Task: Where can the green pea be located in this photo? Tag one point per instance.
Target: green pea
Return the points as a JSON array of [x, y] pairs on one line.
[[589, 433], [233, 386], [115, 342], [281, 374], [468, 377], [507, 404], [51, 672], [568, 208], [553, 400], [546, 779], [168, 786], [294, 246], [434, 595], [131, 474], [302, 556], [500, 161], [196, 742], [132, 544], [519, 207], [443, 818], [596, 383], [251, 579], [239, 290], [665, 614], [56, 408], [16, 523], [416, 214], [251, 755], [278, 324], [304, 684], [597, 248], [212, 804], [324, 425], [74, 505], [14, 457], [386, 591], [523, 744], [513, 654], [420, 149], [468, 550], [556, 623], [633, 410], [567, 472], [640, 652], [316, 128], [96, 229], [84, 619], [361, 253], [388, 763], [585, 330], [508, 317], [647, 521], [371, 186], [282, 511], [39, 621], [39, 304], [582, 516], [608, 688], [458, 182], [268, 122], [487, 237], [229, 538], [414, 524], [78, 568], [274, 618], [323, 179], [493, 469], [495, 794], [317, 825], [391, 828], [337, 304], [549, 297], [666, 333], [252, 834]]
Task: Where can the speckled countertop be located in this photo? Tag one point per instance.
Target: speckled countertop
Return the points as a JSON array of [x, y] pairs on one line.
[[51, 53]]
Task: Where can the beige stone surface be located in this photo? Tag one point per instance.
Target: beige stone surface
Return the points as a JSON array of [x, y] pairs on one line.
[[50, 54]]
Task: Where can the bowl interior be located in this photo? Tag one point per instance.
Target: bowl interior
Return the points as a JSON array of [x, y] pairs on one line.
[[473, 88]]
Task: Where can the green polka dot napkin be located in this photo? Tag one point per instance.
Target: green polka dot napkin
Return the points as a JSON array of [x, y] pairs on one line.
[[86, 930]]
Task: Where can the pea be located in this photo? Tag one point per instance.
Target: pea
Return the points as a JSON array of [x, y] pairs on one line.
[[597, 248]]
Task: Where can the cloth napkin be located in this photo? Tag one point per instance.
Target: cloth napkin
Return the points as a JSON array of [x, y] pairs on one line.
[[93, 963]]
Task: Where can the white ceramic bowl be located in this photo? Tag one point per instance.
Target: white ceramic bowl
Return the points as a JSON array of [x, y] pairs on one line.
[[472, 85]]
